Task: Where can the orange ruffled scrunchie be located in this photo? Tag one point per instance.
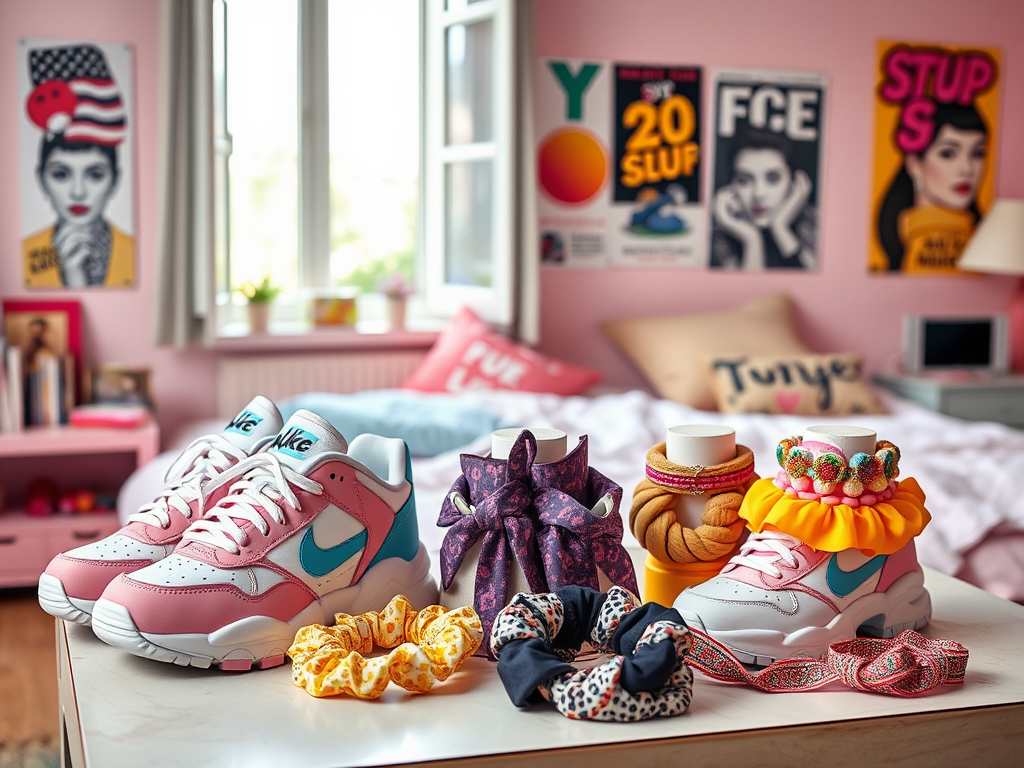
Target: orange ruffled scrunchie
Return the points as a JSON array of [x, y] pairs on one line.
[[432, 644], [881, 529]]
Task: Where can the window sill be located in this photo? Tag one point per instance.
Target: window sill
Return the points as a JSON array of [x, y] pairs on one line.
[[297, 337]]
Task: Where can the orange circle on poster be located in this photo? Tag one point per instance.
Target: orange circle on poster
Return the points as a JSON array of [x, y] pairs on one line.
[[572, 165]]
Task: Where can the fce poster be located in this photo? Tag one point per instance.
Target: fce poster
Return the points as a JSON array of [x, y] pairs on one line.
[[936, 117], [76, 164], [619, 159], [767, 174]]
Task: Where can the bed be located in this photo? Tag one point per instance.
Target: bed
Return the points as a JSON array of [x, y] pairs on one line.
[[972, 472]]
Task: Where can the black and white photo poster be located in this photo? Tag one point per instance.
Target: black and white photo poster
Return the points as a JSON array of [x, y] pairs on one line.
[[766, 178]]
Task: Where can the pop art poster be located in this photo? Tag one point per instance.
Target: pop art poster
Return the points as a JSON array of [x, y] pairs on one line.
[[618, 162], [76, 165], [936, 117], [769, 149], [657, 215]]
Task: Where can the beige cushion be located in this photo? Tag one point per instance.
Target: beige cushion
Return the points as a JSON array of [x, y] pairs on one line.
[[806, 385], [669, 351]]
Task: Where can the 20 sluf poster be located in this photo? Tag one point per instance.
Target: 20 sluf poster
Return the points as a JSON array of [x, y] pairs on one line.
[[619, 160], [936, 117], [76, 164], [767, 174]]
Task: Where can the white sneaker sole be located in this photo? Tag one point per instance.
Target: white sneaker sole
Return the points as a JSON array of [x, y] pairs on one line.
[[55, 601], [905, 605], [261, 642]]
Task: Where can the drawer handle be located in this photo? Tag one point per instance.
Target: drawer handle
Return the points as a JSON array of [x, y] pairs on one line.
[[8, 540], [83, 535]]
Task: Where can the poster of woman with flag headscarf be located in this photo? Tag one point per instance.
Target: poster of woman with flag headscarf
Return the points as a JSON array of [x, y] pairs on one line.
[[76, 166]]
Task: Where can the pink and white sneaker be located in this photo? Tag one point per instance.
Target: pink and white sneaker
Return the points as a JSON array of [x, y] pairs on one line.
[[74, 580], [307, 529], [780, 599]]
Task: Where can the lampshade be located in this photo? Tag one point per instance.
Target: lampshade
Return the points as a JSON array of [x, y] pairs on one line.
[[997, 245]]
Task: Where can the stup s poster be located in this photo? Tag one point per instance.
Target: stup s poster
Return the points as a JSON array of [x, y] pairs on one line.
[[936, 118], [767, 177], [618, 161], [76, 164]]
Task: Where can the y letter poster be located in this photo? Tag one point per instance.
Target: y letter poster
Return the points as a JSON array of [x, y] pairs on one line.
[[936, 117], [769, 131], [76, 164], [618, 161]]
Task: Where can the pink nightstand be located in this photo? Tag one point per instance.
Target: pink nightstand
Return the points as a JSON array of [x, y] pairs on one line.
[[27, 544]]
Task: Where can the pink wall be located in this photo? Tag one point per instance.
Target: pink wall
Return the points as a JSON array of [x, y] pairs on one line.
[[838, 39], [118, 323], [831, 37]]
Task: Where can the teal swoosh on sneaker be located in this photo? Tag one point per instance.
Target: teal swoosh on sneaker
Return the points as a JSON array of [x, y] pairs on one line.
[[843, 583], [319, 562]]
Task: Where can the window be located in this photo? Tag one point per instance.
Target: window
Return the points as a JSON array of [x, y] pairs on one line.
[[327, 177]]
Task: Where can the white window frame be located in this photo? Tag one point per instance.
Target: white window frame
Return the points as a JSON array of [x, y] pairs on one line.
[[494, 303], [440, 299]]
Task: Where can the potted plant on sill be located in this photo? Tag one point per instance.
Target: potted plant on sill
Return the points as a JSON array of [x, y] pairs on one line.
[[259, 297], [396, 291]]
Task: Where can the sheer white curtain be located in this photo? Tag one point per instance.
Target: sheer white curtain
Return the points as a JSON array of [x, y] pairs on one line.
[[185, 240], [186, 179]]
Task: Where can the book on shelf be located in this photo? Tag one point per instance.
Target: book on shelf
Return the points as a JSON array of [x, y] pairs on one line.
[[40, 395], [125, 415], [14, 402]]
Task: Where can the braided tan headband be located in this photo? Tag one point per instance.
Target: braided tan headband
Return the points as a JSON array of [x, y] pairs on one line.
[[652, 517]]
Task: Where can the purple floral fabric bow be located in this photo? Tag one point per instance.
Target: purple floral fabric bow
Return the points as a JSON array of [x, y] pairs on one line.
[[544, 515]]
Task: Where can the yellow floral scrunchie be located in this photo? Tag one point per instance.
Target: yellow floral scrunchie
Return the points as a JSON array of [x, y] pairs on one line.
[[431, 645]]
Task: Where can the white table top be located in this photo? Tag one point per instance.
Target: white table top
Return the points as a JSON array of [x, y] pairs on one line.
[[139, 712]]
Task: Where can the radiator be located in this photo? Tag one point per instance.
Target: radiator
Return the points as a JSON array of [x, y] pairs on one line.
[[241, 377]]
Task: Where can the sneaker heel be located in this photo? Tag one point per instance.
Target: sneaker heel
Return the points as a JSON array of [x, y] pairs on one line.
[[912, 612]]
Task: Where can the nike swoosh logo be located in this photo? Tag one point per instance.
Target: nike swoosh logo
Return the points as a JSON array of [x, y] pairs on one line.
[[319, 562], [843, 583]]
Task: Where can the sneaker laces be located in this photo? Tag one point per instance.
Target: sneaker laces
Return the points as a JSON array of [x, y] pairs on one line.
[[259, 485], [204, 458], [762, 550]]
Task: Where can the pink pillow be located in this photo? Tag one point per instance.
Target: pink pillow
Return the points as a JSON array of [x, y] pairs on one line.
[[469, 355]]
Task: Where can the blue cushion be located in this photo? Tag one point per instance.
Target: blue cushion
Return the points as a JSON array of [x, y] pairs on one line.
[[429, 424]]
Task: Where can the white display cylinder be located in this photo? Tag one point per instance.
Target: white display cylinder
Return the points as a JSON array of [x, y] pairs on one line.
[[849, 440], [552, 444], [692, 445], [700, 444]]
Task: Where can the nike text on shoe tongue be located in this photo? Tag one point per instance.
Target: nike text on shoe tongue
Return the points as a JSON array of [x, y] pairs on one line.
[[259, 420], [304, 438]]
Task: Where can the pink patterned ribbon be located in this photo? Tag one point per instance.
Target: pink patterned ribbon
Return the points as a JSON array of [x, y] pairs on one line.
[[699, 485], [907, 665]]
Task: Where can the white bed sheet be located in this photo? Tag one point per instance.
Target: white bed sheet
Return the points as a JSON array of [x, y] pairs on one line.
[[972, 473]]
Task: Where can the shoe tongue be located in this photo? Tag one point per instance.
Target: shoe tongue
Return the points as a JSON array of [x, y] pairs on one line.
[[303, 438], [258, 420]]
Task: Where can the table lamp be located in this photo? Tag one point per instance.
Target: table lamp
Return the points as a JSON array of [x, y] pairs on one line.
[[997, 247]]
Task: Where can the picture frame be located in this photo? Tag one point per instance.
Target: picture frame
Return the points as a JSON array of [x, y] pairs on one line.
[[942, 343], [119, 385], [56, 324]]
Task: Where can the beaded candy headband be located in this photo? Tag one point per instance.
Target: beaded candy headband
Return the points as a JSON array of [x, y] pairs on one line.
[[818, 471]]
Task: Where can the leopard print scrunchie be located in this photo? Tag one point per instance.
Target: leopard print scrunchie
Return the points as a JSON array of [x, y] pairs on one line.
[[602, 692]]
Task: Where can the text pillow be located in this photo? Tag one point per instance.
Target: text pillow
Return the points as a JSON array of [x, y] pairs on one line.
[[669, 350], [468, 355], [806, 385]]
